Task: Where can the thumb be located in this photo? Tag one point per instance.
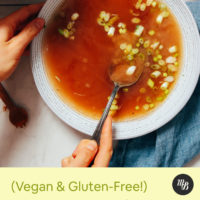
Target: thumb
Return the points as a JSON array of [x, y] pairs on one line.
[[22, 40], [86, 155]]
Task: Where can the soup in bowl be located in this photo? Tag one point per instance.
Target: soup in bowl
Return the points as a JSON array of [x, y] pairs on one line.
[[84, 38], [82, 42]]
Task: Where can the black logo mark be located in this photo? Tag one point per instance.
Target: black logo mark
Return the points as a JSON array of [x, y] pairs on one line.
[[183, 184]]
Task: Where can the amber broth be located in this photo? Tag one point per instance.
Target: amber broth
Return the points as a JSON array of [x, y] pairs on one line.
[[78, 68]]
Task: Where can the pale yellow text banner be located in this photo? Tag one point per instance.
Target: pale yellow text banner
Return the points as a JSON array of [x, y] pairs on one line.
[[98, 184]]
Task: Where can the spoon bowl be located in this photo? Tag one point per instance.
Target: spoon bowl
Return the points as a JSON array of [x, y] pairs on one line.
[[125, 75], [122, 75]]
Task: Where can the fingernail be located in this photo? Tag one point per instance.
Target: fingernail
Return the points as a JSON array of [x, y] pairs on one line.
[[65, 162], [92, 146], [39, 23]]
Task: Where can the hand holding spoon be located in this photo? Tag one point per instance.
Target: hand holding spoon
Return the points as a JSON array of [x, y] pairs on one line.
[[122, 75]]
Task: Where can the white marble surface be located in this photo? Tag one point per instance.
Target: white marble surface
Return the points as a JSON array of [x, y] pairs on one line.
[[46, 139]]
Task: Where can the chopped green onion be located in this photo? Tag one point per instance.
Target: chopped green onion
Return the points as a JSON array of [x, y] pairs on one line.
[[159, 57], [171, 60], [150, 83], [139, 30], [75, 16], [155, 74], [155, 67], [106, 28], [122, 31], [136, 20], [131, 70], [154, 3], [130, 57], [129, 47], [161, 62], [159, 98], [176, 64], [146, 44], [137, 107], [176, 55], [155, 59], [161, 47], [151, 32], [123, 46], [164, 86], [148, 99], [169, 79], [57, 78], [100, 22], [155, 45], [162, 6], [159, 19], [161, 16], [114, 108], [149, 2], [166, 92], [165, 14], [165, 74], [138, 44], [172, 68], [111, 31], [143, 7], [146, 107], [70, 25], [61, 31], [151, 105], [114, 102], [135, 51], [141, 40], [173, 49], [66, 33], [137, 6], [104, 16], [121, 25], [157, 51]]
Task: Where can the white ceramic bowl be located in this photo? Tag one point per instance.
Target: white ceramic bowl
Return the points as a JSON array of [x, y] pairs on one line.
[[135, 128]]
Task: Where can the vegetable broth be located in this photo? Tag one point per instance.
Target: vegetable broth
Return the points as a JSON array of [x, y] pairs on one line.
[[86, 37]]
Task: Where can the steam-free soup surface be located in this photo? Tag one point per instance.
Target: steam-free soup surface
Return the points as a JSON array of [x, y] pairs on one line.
[[86, 37]]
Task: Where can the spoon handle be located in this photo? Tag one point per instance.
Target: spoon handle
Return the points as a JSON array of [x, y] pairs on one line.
[[97, 133], [6, 98]]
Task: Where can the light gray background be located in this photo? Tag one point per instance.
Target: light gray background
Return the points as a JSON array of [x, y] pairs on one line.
[[46, 139]]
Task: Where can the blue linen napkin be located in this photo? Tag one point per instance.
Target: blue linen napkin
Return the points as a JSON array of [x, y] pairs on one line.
[[173, 145]]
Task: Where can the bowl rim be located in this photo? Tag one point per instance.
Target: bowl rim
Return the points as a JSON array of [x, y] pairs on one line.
[[138, 127]]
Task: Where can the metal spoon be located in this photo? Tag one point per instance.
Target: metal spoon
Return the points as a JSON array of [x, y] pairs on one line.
[[118, 74], [18, 115]]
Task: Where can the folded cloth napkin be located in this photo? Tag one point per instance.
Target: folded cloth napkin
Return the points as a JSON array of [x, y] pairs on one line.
[[173, 145]]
